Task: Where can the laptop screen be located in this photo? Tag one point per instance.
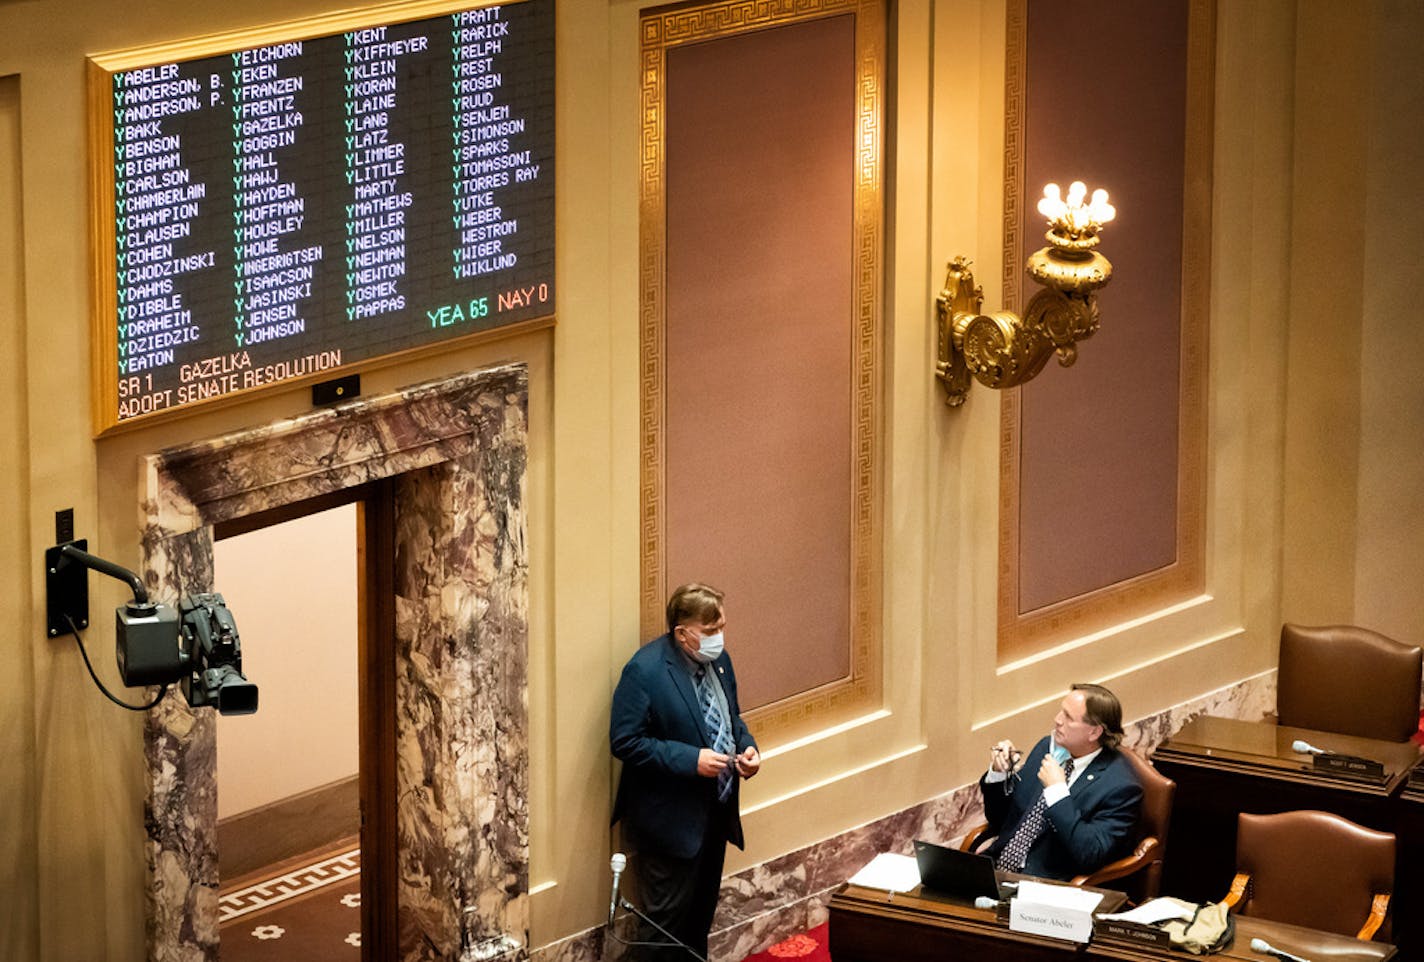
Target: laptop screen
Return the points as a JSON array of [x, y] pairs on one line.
[[948, 871]]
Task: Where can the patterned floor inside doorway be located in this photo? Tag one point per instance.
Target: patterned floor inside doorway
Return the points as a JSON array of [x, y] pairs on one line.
[[308, 909]]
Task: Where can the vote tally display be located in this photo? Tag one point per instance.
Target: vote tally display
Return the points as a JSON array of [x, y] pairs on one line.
[[343, 191]]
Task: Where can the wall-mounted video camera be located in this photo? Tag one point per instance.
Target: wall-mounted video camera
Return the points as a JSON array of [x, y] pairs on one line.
[[195, 644]]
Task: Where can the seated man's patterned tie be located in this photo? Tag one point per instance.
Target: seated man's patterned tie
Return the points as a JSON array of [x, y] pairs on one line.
[[1015, 854]]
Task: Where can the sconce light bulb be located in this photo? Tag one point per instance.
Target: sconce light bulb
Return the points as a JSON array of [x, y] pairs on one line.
[[1100, 211], [1051, 205], [1076, 218]]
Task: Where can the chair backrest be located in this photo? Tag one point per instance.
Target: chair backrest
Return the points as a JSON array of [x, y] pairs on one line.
[[1157, 793], [1155, 815], [1141, 867], [1313, 868], [1348, 680]]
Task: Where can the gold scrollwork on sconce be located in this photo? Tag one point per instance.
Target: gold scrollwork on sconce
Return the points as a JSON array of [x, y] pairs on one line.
[[1002, 350]]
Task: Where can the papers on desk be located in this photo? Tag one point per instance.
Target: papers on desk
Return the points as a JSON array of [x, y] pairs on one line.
[[1058, 896], [1155, 910], [890, 872]]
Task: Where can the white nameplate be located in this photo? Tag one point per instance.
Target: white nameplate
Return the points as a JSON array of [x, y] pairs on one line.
[[1056, 921]]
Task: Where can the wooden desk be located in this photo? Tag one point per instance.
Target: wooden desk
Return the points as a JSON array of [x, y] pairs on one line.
[[1223, 766], [1409, 868], [866, 926]]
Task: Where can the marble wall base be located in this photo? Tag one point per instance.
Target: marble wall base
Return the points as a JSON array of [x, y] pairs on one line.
[[766, 903], [456, 452]]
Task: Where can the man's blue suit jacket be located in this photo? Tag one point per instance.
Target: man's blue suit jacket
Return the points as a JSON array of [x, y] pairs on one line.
[[1084, 831], [656, 729]]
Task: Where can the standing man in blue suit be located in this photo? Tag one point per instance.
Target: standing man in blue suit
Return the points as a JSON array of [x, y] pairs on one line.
[[677, 727], [1074, 810]]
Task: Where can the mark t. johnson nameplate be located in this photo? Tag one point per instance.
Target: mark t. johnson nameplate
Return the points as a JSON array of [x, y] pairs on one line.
[[345, 191]]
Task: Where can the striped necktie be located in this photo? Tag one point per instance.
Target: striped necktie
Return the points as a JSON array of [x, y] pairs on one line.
[[719, 731]]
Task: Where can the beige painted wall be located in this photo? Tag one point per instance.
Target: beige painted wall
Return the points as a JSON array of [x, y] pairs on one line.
[[1354, 464], [18, 815], [1391, 498], [71, 802], [292, 590]]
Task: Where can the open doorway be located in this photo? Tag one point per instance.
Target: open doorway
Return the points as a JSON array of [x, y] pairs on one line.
[[445, 543], [302, 783]]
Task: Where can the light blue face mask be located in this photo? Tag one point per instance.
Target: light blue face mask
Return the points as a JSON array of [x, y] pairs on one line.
[[1059, 753], [708, 648]]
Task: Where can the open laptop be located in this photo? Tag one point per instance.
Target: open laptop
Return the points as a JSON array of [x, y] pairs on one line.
[[960, 875]]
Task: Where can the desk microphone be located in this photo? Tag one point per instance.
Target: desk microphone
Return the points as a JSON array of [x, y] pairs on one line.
[[618, 863], [1265, 948], [984, 902], [1306, 748]]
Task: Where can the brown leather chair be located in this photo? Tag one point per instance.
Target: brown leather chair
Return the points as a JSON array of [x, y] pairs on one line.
[[1143, 865], [1313, 869], [1348, 680]]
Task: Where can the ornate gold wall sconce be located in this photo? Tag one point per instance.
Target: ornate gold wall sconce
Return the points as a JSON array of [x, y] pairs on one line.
[[1002, 350]]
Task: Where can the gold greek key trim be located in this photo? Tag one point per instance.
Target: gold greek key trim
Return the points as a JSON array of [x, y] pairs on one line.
[[306, 28], [670, 27], [1015, 69], [1021, 634]]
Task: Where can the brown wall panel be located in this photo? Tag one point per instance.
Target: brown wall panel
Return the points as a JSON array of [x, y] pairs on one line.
[[1103, 489], [1098, 478], [759, 343]]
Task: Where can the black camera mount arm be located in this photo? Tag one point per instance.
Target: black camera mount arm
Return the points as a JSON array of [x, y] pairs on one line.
[[67, 585], [119, 572], [67, 602]]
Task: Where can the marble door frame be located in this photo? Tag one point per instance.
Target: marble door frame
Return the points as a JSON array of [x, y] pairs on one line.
[[457, 449]]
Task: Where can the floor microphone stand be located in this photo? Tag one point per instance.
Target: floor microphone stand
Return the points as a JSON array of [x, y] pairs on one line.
[[674, 943]]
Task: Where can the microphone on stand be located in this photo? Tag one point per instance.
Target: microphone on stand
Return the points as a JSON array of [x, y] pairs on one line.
[[1306, 748], [618, 863], [1265, 948]]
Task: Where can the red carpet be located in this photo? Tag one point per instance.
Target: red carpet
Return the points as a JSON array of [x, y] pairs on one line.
[[812, 946]]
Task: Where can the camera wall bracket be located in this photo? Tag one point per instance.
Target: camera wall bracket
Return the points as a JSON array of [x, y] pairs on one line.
[[67, 585], [66, 589]]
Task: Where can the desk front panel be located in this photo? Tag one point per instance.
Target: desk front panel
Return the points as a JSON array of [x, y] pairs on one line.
[[866, 925]]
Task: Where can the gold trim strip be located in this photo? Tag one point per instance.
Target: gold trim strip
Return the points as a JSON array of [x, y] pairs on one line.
[[1015, 96], [307, 28], [103, 335]]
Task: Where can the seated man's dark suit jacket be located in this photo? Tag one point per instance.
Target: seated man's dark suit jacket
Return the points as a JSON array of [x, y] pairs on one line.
[[656, 730], [1084, 831]]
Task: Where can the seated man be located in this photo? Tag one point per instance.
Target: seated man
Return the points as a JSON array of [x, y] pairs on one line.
[[1076, 810]]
